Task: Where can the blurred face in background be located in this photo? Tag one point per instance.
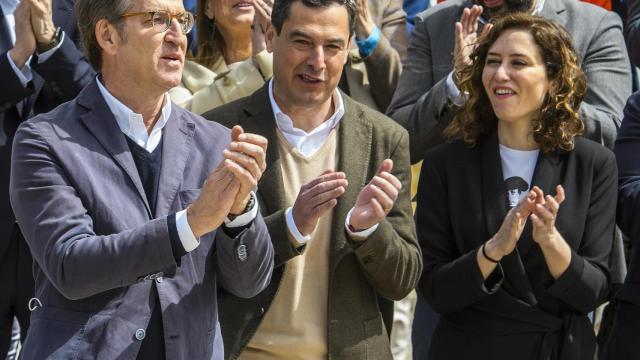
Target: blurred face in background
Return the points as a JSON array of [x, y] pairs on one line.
[[230, 14], [494, 7]]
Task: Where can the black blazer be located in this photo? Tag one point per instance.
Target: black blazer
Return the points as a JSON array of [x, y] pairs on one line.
[[622, 342], [55, 81], [520, 312]]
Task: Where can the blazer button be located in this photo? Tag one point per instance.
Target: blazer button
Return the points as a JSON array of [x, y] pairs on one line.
[[241, 251], [159, 280], [140, 334], [367, 259], [261, 311]]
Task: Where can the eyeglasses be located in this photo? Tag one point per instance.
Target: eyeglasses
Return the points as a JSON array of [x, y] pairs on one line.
[[162, 19]]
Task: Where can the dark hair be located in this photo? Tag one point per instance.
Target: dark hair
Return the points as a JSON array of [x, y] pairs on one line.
[[559, 121], [211, 43], [89, 12], [281, 11]]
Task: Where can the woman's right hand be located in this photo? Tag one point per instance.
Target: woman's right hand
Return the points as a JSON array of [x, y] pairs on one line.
[[505, 240]]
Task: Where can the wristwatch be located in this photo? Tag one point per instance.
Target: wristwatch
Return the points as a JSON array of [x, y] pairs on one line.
[[42, 48]]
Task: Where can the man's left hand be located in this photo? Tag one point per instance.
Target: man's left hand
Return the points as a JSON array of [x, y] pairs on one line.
[[247, 154], [376, 199], [42, 20]]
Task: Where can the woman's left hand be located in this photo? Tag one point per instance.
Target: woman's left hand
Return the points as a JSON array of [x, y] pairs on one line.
[[544, 216]]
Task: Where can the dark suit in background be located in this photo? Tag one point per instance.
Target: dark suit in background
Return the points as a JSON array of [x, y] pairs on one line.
[[622, 343], [520, 311], [56, 80]]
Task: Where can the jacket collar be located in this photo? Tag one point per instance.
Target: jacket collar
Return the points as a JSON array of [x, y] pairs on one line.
[[177, 136], [354, 151]]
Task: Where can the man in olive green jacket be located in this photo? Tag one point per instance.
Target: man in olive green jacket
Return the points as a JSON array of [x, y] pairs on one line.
[[335, 197]]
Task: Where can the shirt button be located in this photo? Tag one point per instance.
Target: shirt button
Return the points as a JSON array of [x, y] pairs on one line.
[[140, 334]]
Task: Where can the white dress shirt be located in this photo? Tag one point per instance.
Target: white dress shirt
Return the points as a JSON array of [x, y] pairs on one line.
[[132, 125], [24, 74], [308, 143]]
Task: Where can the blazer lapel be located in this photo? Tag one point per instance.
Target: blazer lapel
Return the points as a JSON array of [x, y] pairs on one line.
[[259, 109], [176, 138], [494, 192], [100, 122], [354, 153], [494, 197]]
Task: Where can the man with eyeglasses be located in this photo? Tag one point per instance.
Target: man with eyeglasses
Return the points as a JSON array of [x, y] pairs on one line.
[[135, 210]]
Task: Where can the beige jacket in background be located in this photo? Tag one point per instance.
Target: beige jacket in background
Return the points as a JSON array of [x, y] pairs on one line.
[[203, 89]]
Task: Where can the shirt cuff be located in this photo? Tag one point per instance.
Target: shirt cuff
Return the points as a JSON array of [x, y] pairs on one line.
[[188, 239], [243, 219], [293, 229], [454, 94], [47, 54], [369, 44], [24, 75], [358, 235]]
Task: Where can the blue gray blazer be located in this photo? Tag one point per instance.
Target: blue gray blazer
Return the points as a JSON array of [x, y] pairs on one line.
[[98, 249]]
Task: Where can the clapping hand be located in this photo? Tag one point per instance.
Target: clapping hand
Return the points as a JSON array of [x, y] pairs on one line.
[[544, 216], [246, 160], [376, 199], [316, 198]]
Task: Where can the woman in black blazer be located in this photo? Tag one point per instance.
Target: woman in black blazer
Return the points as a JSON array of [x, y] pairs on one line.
[[516, 217]]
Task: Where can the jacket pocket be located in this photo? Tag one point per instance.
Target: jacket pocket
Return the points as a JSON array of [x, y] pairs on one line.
[[54, 334]]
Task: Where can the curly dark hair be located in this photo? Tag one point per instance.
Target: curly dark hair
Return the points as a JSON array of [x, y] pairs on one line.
[[559, 121]]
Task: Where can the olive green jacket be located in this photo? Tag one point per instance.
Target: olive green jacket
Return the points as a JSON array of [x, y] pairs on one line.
[[364, 277]]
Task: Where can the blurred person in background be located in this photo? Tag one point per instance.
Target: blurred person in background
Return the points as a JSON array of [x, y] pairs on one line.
[[41, 66], [231, 59]]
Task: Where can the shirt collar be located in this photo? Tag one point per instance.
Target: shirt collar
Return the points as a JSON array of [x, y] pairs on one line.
[[131, 123], [285, 124]]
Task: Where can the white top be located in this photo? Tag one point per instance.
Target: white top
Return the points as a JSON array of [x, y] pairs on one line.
[[517, 172], [308, 143], [132, 125]]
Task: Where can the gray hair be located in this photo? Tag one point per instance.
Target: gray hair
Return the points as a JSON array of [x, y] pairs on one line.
[[89, 12]]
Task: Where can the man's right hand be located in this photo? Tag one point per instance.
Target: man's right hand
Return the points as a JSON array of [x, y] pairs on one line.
[[25, 44], [316, 198], [213, 204], [466, 37]]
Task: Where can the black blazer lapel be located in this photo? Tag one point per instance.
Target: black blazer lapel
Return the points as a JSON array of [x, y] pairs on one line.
[[260, 120], [494, 197], [176, 144], [101, 123]]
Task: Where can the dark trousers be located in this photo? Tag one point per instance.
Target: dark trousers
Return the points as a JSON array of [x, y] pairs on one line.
[[16, 288]]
